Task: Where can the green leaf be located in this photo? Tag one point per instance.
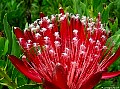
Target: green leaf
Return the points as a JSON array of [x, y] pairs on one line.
[[1, 25], [100, 8], [83, 8], [5, 80], [28, 86], [106, 83], [114, 26], [2, 42], [15, 46], [116, 39], [75, 5], [105, 14], [117, 2], [2, 63], [1, 87], [97, 7], [17, 77], [5, 47], [95, 3], [19, 82], [8, 33]]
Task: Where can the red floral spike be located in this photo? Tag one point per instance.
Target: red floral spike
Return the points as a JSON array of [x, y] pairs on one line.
[[61, 10], [59, 77], [20, 36], [92, 81], [27, 71], [49, 85], [107, 75], [66, 52], [111, 59], [42, 15]]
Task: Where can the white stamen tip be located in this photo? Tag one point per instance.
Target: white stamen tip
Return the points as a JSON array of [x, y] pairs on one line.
[[56, 34], [35, 44], [50, 26], [31, 26], [75, 31], [75, 39], [20, 39], [46, 38], [23, 57], [51, 51], [29, 41], [57, 43], [37, 35], [64, 54], [43, 29], [33, 29], [91, 40]]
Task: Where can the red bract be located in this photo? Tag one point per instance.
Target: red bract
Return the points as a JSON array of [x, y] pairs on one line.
[[65, 52]]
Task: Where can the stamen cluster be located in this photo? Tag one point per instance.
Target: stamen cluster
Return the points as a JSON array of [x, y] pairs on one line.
[[65, 52]]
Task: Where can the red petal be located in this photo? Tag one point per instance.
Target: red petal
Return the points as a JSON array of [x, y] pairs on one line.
[[49, 85], [59, 77], [71, 28], [19, 34], [92, 81], [112, 59], [28, 35], [23, 69], [64, 28], [64, 32], [41, 15], [81, 31], [106, 75], [61, 10]]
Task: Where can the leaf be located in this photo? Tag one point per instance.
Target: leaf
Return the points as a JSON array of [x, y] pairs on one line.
[[1, 25], [95, 3], [19, 4], [105, 14], [8, 33], [2, 63], [5, 47], [1, 87], [116, 39], [19, 82], [114, 26], [6, 79], [117, 2], [107, 83], [17, 77], [75, 6], [28, 86], [84, 9], [2, 41], [99, 9], [15, 46]]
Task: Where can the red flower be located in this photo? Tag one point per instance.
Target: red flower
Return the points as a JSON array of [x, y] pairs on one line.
[[65, 52]]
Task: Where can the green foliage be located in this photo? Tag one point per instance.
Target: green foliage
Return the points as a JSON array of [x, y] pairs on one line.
[[29, 86], [7, 30], [5, 79], [2, 41]]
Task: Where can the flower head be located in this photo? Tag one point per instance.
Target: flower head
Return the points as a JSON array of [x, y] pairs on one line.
[[65, 52]]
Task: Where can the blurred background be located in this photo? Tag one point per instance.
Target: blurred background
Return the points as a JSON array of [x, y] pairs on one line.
[[20, 13]]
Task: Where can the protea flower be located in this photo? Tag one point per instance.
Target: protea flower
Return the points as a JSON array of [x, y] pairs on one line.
[[65, 52]]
